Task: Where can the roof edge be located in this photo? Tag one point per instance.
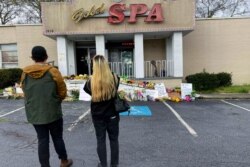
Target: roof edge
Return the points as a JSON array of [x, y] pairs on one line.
[[222, 18], [16, 25]]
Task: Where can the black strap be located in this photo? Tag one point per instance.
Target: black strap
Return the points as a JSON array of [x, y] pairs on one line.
[[116, 94], [116, 85]]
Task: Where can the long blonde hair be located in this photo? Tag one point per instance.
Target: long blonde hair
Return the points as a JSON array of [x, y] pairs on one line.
[[102, 81]]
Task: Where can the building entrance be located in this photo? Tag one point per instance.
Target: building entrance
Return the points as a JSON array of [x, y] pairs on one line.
[[84, 57]]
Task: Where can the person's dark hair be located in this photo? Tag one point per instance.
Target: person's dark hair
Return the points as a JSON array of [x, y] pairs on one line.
[[39, 54]]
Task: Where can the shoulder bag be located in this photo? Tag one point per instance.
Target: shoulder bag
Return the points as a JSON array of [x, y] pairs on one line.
[[121, 105]]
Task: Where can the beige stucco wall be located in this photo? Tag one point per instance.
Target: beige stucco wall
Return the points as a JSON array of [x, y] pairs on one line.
[[154, 49], [219, 45], [7, 34], [27, 36]]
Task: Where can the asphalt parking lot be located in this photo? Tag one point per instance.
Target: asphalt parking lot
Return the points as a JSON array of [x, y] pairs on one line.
[[203, 133]]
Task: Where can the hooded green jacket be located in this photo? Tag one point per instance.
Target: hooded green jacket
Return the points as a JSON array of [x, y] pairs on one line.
[[44, 89]]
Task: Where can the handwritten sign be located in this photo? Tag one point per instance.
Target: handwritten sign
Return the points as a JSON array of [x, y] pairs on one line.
[[127, 88], [152, 94], [160, 87], [186, 89]]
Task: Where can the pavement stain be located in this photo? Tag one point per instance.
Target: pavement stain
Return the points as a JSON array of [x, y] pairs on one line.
[[13, 133], [234, 114], [2, 120]]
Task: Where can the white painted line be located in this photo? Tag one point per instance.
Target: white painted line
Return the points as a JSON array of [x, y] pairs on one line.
[[189, 128], [78, 120], [235, 105], [11, 112]]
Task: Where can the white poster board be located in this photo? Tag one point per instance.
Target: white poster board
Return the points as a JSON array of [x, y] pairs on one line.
[[152, 94], [19, 90], [131, 91], [127, 88], [186, 89], [160, 87], [83, 95], [73, 85]]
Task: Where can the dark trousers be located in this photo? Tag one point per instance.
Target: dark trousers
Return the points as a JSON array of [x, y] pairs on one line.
[[110, 125], [55, 129]]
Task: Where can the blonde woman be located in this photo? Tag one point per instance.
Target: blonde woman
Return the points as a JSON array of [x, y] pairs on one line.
[[102, 87]]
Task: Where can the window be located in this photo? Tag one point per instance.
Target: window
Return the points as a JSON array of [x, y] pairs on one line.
[[8, 56]]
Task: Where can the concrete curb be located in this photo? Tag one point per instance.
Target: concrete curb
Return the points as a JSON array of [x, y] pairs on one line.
[[3, 97], [225, 96]]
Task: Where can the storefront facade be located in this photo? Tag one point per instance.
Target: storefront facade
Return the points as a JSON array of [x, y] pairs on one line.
[[125, 32], [165, 50]]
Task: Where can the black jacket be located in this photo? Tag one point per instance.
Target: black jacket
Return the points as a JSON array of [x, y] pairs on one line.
[[104, 109]]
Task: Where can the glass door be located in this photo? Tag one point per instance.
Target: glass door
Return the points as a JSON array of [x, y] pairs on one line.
[[127, 61], [121, 61], [83, 60]]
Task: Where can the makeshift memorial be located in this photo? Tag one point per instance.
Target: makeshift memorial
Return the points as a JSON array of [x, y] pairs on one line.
[[132, 90], [76, 77]]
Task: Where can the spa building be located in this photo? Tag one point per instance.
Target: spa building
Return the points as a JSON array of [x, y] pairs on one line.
[[157, 40]]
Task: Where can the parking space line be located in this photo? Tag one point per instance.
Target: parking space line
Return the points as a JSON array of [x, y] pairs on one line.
[[11, 112], [78, 120], [235, 105], [189, 128]]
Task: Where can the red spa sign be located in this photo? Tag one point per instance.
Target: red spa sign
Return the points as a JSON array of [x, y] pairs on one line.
[[118, 11]]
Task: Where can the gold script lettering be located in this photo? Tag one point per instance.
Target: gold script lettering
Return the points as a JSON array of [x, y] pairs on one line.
[[80, 14], [100, 10]]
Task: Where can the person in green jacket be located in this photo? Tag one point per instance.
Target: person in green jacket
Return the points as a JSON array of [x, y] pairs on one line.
[[44, 89]]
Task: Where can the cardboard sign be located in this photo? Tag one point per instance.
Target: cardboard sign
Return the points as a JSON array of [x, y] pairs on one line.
[[186, 89], [73, 85], [160, 87]]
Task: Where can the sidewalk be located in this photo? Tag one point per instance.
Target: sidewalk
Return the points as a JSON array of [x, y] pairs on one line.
[[225, 96]]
